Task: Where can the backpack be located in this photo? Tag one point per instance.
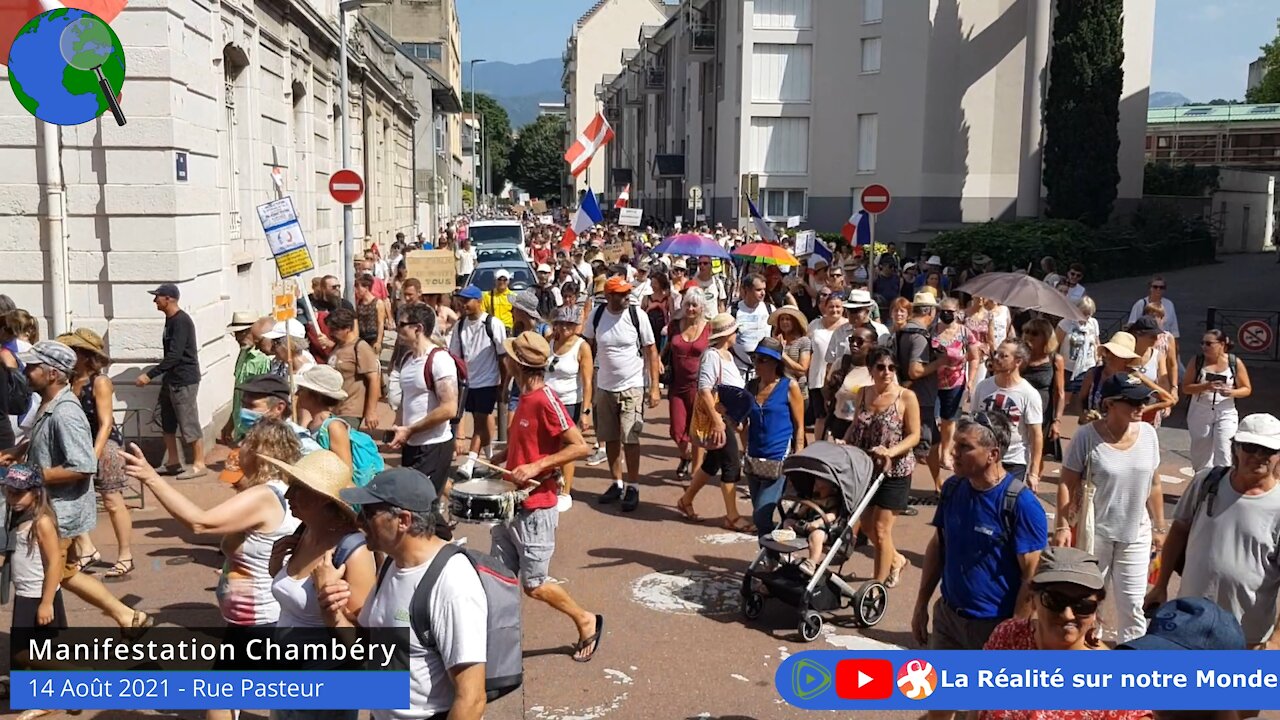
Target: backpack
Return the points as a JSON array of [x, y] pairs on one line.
[[1232, 362], [1208, 492], [635, 322], [504, 658], [546, 302], [461, 366], [902, 361], [1008, 507], [741, 357], [366, 461]]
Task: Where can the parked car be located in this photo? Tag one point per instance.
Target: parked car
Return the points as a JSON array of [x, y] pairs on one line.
[[521, 274]]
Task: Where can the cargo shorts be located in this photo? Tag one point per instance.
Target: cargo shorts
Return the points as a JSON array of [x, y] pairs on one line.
[[526, 543], [619, 415]]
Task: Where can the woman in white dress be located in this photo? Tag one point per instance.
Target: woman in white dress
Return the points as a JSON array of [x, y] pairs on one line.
[[1214, 379]]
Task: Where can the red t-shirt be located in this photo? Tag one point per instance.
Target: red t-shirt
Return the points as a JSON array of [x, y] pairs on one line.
[[535, 432], [1021, 635]]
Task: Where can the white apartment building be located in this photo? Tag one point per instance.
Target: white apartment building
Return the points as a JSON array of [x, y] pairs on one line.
[[1257, 71], [802, 103], [590, 53], [221, 100]]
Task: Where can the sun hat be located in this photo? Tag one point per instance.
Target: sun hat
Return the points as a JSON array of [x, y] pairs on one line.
[[908, 266], [320, 471], [1190, 623], [168, 290], [526, 301], [529, 349], [21, 477], [617, 285], [85, 339], [924, 299], [1126, 387], [1122, 345], [323, 380], [291, 328], [795, 314], [859, 299], [769, 348], [1068, 565], [934, 260], [722, 325], [242, 320], [470, 292], [402, 487], [232, 473], [679, 264], [51, 353], [1145, 325], [568, 315], [1259, 429]]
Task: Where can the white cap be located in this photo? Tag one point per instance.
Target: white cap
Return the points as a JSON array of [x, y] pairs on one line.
[[541, 268], [1259, 429], [502, 274], [935, 260], [292, 328]]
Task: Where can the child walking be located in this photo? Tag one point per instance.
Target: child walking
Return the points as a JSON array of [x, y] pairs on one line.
[[38, 613]]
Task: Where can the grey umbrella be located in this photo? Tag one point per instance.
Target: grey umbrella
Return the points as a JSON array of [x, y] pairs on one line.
[[1022, 291]]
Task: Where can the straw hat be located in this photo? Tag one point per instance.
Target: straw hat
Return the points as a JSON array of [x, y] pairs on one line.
[[795, 314], [241, 320], [529, 349], [723, 325], [321, 471], [1122, 345], [85, 339], [322, 380]]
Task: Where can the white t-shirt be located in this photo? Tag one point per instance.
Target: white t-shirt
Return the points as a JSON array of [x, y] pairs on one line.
[[466, 260], [715, 370], [471, 343], [1000, 320], [1080, 345], [712, 293], [459, 622], [821, 338], [418, 401], [1021, 404], [1170, 324], [618, 349], [1075, 293], [640, 291], [753, 325], [1121, 480]]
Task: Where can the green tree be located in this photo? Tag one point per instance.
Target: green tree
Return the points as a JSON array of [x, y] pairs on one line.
[[497, 138], [537, 160], [1269, 90], [1082, 111]]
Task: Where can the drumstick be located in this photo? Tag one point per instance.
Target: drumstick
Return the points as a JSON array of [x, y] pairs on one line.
[[491, 466]]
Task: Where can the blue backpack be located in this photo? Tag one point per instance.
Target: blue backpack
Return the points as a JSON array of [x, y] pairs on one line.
[[366, 461]]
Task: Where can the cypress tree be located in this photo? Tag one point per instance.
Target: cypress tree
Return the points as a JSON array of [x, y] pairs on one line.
[[1082, 110]]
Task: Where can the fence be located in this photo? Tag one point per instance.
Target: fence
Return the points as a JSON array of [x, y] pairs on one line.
[[1253, 331]]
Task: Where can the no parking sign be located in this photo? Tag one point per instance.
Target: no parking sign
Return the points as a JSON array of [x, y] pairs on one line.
[[1255, 336]]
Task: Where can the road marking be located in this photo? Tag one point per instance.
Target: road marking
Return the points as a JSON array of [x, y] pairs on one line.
[[855, 642], [736, 676], [690, 592], [1172, 480], [783, 652], [727, 538], [540, 712], [618, 677]]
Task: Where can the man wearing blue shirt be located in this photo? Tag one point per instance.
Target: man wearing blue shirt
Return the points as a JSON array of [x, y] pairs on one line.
[[987, 544]]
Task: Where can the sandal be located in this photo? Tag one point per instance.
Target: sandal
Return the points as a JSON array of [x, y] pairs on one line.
[[740, 525], [120, 569], [686, 509], [138, 626], [592, 643], [895, 572], [87, 562]]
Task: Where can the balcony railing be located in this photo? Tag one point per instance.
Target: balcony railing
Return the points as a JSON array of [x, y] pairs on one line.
[[702, 40], [655, 79]]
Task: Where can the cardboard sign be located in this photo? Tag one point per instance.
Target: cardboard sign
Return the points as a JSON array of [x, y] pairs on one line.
[[546, 219], [793, 221], [613, 252], [806, 241], [284, 236], [539, 207], [435, 269], [630, 216]]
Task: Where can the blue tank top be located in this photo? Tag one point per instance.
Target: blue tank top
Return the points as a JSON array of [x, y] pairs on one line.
[[770, 431]]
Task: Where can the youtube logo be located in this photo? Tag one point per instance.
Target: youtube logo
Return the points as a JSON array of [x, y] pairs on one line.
[[864, 679]]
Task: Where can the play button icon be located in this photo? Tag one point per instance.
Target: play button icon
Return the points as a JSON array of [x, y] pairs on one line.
[[809, 679], [864, 679]]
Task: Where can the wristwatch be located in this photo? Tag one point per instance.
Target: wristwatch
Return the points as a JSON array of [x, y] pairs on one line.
[[586, 411]]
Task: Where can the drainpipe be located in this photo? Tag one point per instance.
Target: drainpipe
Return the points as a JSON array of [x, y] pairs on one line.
[[1030, 178], [55, 217]]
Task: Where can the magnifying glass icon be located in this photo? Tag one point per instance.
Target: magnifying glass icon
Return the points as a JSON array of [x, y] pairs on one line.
[[87, 44]]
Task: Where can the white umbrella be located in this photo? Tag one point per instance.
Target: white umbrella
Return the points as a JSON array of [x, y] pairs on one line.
[[1017, 290]]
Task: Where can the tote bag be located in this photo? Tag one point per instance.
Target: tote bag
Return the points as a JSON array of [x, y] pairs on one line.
[[701, 424], [1082, 528]]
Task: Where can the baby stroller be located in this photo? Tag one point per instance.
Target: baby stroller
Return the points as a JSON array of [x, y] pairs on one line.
[[850, 470]]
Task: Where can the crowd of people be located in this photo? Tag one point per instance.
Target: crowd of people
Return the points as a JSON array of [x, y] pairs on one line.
[[757, 361]]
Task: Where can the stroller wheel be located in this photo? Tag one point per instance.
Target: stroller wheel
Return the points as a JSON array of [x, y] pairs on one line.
[[752, 605], [869, 603], [810, 626]]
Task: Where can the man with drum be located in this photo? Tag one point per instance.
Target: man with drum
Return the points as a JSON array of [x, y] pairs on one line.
[[543, 439], [429, 405]]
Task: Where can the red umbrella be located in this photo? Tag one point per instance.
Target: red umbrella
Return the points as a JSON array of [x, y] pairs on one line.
[[15, 13]]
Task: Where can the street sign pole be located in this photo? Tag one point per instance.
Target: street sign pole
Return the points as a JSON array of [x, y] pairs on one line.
[[348, 223], [871, 265]]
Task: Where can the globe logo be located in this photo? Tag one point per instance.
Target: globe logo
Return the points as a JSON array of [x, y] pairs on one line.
[[67, 67], [917, 679]]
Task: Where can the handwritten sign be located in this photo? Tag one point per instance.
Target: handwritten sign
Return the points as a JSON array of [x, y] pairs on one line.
[[435, 269], [806, 241], [613, 252], [630, 216], [284, 236]]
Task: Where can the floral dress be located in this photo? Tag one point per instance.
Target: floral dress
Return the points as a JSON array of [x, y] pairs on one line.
[[1020, 635], [881, 429]]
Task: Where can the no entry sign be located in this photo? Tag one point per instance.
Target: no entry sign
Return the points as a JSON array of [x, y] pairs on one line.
[[346, 187], [875, 199], [1255, 336]]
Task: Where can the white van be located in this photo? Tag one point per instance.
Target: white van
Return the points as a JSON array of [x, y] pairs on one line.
[[496, 232]]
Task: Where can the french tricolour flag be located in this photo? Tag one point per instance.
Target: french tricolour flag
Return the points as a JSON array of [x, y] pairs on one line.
[[15, 13], [624, 198], [588, 216], [857, 226], [597, 134], [762, 227]]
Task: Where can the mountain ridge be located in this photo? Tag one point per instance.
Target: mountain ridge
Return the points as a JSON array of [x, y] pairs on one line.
[[519, 87]]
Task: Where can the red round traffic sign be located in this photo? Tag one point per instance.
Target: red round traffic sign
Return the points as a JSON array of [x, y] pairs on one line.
[[875, 199], [346, 186], [1255, 336]]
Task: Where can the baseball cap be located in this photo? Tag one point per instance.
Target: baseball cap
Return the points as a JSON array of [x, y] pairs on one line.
[[1259, 429], [51, 353], [1145, 325], [617, 285], [401, 486], [502, 275], [1068, 565], [544, 268], [680, 263], [769, 348], [166, 290], [470, 292], [1190, 623], [21, 477], [1126, 387], [290, 327], [266, 384]]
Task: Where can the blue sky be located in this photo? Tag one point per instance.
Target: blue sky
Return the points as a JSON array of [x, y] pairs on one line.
[[1202, 47]]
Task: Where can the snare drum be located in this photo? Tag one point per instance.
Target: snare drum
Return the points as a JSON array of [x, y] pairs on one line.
[[485, 501]]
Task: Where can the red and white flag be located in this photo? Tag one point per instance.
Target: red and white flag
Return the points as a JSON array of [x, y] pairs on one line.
[[597, 135], [15, 13], [624, 198]]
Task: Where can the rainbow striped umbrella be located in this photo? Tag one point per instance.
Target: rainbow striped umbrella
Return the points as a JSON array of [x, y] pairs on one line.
[[693, 245], [766, 254]]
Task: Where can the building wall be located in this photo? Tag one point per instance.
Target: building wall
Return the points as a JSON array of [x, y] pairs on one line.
[[1245, 205], [130, 224], [1257, 71]]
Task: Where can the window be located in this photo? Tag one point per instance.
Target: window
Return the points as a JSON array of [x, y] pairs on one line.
[[779, 145], [782, 204], [871, 55], [872, 11], [781, 73], [868, 135], [782, 14], [425, 51]]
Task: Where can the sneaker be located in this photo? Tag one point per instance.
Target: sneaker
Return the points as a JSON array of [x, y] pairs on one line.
[[611, 496], [597, 457], [564, 502], [465, 471], [682, 470], [630, 500]]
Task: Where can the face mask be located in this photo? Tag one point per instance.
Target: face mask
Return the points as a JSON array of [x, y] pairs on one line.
[[249, 418], [947, 316]]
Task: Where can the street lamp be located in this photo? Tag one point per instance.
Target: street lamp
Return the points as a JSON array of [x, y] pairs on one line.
[[348, 225], [475, 140]]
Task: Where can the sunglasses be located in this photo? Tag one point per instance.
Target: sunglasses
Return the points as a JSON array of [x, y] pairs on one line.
[[1207, 343], [885, 367], [404, 325], [1255, 449], [1157, 287], [1058, 603]]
